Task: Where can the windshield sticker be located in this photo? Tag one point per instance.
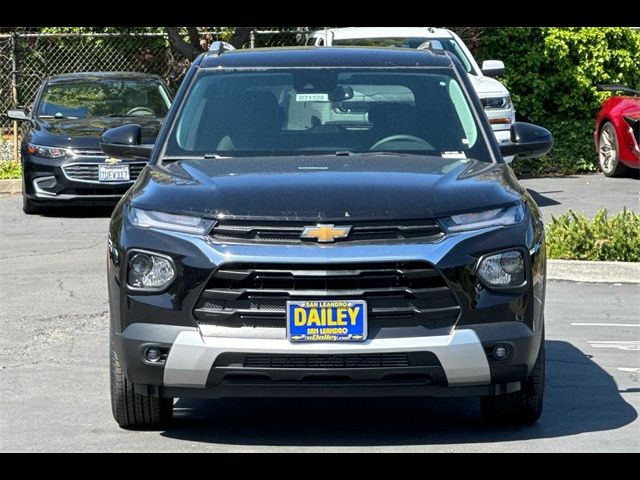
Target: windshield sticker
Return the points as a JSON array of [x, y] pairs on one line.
[[453, 155], [312, 97]]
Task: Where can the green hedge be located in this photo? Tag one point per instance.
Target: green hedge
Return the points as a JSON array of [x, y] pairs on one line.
[[574, 237], [10, 170], [552, 73]]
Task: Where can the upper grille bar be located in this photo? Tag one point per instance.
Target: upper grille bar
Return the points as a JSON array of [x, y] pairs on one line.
[[286, 232]]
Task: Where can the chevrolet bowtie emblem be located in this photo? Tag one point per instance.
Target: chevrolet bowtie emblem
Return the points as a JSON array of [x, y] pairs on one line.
[[326, 233], [112, 160]]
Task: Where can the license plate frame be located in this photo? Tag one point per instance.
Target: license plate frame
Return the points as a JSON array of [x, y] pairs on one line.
[[334, 327], [114, 173]]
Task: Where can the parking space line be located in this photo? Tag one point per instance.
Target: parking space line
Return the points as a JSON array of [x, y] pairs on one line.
[[620, 345], [636, 325]]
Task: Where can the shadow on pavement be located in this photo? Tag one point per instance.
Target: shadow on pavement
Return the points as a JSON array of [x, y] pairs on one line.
[[543, 201], [78, 212], [580, 397]]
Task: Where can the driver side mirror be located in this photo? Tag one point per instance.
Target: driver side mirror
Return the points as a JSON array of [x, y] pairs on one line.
[[492, 68], [18, 115], [527, 141], [125, 142]]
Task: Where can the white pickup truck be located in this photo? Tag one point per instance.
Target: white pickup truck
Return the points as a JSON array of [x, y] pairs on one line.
[[494, 96]]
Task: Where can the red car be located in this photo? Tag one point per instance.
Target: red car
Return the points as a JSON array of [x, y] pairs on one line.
[[617, 133]]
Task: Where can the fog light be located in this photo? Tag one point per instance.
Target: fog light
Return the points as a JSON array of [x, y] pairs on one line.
[[150, 271], [500, 352], [141, 263], [152, 354]]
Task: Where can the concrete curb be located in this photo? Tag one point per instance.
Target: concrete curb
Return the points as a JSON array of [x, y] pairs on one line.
[[11, 186], [593, 272]]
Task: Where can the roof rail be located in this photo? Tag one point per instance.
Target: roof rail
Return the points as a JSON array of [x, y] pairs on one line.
[[218, 48]]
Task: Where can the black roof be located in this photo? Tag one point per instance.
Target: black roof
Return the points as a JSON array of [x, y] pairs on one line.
[[70, 77], [326, 57]]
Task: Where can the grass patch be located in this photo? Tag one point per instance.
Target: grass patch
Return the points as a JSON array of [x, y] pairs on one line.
[[10, 170], [572, 236]]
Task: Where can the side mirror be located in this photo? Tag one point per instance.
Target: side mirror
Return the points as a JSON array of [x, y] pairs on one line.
[[492, 68], [125, 142], [18, 115], [527, 141]]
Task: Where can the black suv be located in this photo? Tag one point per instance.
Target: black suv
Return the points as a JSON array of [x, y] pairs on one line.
[[61, 155], [326, 222]]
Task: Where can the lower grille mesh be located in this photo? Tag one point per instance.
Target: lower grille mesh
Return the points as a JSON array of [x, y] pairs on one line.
[[382, 360]]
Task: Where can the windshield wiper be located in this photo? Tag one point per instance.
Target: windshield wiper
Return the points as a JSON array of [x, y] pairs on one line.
[[348, 153]]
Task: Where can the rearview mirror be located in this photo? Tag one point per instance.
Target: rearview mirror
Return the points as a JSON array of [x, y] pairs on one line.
[[18, 115], [125, 142], [527, 141], [492, 68]]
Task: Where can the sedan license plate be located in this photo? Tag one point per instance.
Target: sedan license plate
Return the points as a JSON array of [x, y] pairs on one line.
[[327, 321], [113, 173]]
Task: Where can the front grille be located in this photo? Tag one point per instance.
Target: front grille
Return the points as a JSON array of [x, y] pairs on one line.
[[372, 360], [89, 152], [237, 231], [397, 294], [88, 172]]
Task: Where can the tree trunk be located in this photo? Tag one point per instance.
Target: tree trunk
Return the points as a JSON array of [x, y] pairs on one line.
[[187, 50], [241, 36]]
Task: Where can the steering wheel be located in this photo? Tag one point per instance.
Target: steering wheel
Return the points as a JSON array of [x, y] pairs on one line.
[[401, 138], [140, 111]]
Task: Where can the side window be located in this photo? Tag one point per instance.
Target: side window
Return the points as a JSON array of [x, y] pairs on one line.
[[320, 42], [465, 115]]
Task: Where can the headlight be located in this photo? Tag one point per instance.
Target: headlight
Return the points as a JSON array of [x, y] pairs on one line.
[[498, 217], [496, 103], [150, 271], [169, 221], [503, 269], [47, 152]]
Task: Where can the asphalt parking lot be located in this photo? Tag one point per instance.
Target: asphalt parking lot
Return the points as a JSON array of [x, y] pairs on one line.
[[54, 391], [585, 194]]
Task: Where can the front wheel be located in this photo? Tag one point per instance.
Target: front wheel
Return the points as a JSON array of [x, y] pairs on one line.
[[132, 410], [523, 407]]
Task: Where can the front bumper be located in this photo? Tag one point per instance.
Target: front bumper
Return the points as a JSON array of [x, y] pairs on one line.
[[72, 180], [458, 364]]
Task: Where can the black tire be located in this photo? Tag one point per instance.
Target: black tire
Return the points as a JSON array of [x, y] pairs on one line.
[[523, 407], [29, 207], [609, 152], [132, 410]]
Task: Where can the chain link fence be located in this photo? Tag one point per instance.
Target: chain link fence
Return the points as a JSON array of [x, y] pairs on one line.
[[27, 58]]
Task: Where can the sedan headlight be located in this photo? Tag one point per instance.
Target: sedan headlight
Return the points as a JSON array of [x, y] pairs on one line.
[[169, 221], [47, 152], [150, 271], [497, 217], [504, 269]]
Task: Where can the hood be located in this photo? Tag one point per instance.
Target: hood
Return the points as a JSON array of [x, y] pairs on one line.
[[86, 132], [326, 188], [487, 86]]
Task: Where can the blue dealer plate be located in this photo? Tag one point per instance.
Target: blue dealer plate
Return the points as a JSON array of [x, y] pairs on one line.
[[327, 321]]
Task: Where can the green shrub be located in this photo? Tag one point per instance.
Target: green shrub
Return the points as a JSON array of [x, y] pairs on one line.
[[574, 237], [552, 74], [9, 170]]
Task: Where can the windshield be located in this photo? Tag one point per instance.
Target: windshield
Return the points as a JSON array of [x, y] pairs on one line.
[[447, 44], [104, 98], [326, 111]]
